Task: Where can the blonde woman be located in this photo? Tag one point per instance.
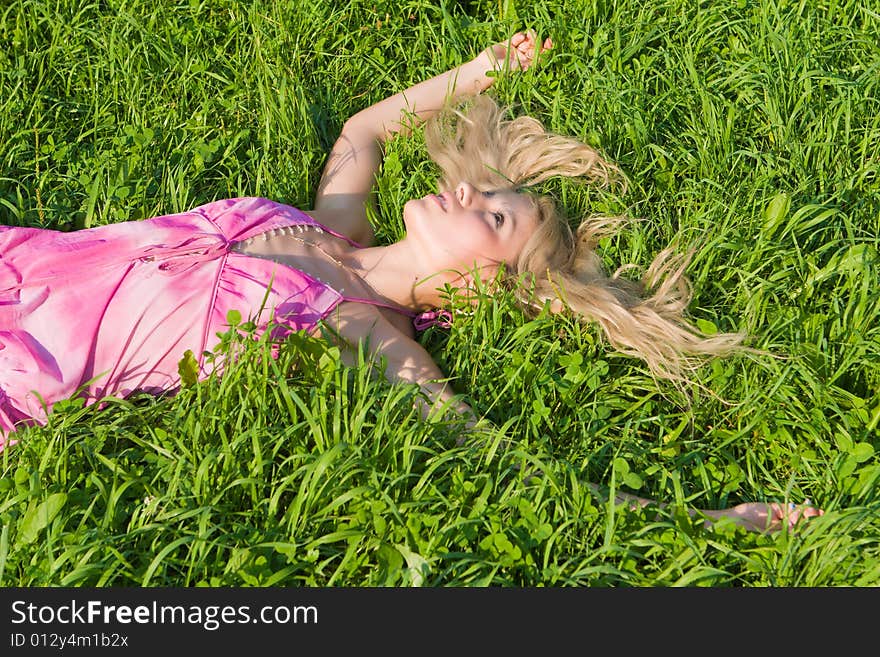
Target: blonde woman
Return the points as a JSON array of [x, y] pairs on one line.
[[110, 310]]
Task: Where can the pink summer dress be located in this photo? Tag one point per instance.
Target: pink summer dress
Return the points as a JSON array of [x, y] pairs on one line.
[[111, 310]]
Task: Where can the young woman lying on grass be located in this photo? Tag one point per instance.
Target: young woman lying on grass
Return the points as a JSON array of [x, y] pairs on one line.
[[111, 310]]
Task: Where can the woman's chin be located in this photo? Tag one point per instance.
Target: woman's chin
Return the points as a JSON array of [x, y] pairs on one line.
[[410, 212]]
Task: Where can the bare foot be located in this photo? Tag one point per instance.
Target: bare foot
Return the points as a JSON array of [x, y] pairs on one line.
[[764, 518]]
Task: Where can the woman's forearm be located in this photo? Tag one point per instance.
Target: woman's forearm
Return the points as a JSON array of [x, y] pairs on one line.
[[403, 111]]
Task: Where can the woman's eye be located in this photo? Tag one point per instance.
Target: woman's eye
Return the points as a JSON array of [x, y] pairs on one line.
[[499, 219], [488, 194]]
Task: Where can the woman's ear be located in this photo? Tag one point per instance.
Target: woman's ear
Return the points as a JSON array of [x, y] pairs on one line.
[[485, 274], [476, 281]]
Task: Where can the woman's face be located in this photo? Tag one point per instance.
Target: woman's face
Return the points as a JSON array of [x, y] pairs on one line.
[[465, 228]]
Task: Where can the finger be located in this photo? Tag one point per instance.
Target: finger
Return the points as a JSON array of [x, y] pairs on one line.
[[783, 514], [526, 40], [775, 512], [514, 46], [809, 511], [540, 48], [801, 513], [548, 43], [517, 38]]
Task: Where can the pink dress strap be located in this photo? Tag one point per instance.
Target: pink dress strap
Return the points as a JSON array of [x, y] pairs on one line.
[[421, 321]]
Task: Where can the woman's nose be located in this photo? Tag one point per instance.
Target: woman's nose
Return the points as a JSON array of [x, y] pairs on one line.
[[464, 192]]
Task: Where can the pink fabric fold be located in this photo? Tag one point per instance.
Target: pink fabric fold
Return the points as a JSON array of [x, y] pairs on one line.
[[111, 310]]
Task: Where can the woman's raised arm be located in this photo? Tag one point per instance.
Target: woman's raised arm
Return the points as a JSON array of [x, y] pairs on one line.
[[350, 171]]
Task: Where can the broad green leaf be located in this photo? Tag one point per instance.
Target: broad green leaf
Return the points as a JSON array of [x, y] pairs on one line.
[[38, 517], [633, 480], [844, 442], [776, 211], [621, 467], [508, 10], [417, 565], [707, 327], [188, 368], [861, 452]]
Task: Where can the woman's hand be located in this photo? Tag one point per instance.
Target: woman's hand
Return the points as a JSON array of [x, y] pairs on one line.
[[516, 54], [349, 174], [761, 517]]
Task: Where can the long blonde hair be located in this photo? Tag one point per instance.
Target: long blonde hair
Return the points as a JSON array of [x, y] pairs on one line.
[[475, 142]]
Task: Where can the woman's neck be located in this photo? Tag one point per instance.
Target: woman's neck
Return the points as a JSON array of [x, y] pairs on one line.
[[396, 273]]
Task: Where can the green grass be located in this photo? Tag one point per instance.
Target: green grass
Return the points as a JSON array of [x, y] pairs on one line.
[[749, 128]]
